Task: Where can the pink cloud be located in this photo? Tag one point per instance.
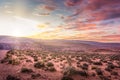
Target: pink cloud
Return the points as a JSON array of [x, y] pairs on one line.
[[110, 38], [72, 2], [97, 33], [49, 8]]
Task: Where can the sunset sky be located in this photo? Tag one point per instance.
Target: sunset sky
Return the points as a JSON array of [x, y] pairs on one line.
[[94, 20]]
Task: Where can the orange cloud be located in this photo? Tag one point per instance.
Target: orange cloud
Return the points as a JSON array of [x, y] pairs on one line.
[[82, 26], [53, 34], [87, 27]]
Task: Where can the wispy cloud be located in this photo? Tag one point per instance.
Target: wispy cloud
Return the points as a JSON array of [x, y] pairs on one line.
[[69, 19]]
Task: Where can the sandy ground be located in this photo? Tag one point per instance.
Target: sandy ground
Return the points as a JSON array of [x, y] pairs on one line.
[[60, 61]]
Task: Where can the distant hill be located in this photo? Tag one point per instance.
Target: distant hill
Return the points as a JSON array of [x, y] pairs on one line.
[[8, 42]]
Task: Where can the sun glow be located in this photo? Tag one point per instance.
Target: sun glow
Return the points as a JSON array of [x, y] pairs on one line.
[[19, 27]]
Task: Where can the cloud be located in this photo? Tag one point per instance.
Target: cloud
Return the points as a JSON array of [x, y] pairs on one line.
[[50, 34], [81, 26], [41, 14], [86, 26], [99, 4], [97, 10], [49, 8], [112, 36], [97, 33], [42, 26], [72, 2], [108, 38]]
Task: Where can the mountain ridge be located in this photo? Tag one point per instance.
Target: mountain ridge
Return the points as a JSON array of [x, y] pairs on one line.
[[10, 42]]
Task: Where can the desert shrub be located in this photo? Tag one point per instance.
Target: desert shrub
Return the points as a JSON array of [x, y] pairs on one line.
[[51, 69], [108, 69], [115, 57], [72, 71], [35, 58], [78, 65], [66, 78], [28, 60], [111, 66], [104, 77], [45, 60], [99, 71], [63, 59], [39, 65], [26, 70], [93, 67], [78, 62], [84, 66], [104, 61], [82, 73], [72, 56], [69, 71], [49, 64], [10, 77], [14, 61], [114, 73], [93, 74], [68, 60], [97, 63], [48, 59], [34, 76], [8, 55]]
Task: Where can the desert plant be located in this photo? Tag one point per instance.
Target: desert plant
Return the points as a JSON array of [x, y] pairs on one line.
[[66, 78], [97, 63], [49, 64], [82, 73], [39, 65], [93, 74], [93, 67], [28, 60], [111, 66], [72, 71], [115, 57], [104, 77], [35, 58], [51, 69], [14, 61], [99, 71], [26, 70], [10, 77], [69, 71], [84, 66], [108, 69], [114, 73], [34, 76]]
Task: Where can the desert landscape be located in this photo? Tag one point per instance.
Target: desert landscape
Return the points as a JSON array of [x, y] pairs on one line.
[[59, 39], [81, 61]]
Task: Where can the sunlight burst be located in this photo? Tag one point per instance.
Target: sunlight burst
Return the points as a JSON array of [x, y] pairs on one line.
[[19, 27]]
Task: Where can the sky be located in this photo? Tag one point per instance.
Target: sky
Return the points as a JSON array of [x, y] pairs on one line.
[[93, 20]]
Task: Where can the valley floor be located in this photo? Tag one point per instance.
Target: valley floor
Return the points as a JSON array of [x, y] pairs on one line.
[[44, 65]]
